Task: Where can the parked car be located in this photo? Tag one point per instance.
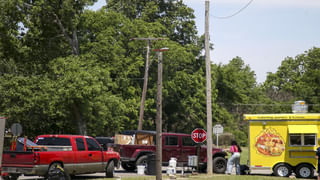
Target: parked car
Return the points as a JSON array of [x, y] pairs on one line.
[[105, 142], [135, 146], [65, 155]]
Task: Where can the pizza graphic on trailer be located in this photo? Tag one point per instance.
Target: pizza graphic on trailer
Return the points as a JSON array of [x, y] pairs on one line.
[[269, 143]]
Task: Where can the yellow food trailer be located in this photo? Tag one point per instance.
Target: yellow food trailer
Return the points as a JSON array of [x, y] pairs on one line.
[[283, 143]]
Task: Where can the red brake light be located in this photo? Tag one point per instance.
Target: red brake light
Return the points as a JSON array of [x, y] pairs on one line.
[[36, 158]]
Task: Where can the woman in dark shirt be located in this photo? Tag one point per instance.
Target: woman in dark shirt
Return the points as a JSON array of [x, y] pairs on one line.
[[318, 157]]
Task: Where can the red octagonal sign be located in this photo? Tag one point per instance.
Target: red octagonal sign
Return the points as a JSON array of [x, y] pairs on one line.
[[199, 135]]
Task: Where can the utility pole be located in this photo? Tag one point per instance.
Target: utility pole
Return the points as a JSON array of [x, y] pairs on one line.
[[208, 79], [145, 79], [159, 116]]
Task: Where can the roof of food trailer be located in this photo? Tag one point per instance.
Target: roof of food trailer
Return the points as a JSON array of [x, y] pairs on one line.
[[298, 116]]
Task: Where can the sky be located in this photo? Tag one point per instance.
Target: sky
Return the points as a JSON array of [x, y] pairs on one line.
[[263, 34]]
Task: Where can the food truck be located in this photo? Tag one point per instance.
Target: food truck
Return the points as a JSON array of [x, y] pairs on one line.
[[283, 143]]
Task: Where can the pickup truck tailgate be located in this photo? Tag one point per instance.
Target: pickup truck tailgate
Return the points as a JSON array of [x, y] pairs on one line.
[[14, 157]]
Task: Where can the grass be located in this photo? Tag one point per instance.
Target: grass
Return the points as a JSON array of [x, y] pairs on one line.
[[205, 177], [244, 155]]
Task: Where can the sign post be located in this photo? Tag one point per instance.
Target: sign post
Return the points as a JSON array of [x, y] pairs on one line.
[[198, 136], [217, 130]]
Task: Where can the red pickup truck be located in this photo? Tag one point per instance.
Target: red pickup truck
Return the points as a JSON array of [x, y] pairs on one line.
[[135, 151], [65, 155]]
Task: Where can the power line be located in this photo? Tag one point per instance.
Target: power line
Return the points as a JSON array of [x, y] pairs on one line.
[[263, 104], [234, 14]]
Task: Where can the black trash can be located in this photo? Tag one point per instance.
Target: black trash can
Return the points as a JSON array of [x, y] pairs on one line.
[[151, 164]]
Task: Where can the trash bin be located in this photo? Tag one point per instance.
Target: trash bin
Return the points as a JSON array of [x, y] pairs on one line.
[[192, 161], [151, 164]]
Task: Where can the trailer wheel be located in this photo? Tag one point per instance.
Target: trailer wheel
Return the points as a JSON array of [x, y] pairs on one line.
[[282, 170], [110, 169], [304, 171], [219, 165], [56, 172]]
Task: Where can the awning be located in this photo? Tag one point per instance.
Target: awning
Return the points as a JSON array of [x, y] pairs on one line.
[[303, 129]]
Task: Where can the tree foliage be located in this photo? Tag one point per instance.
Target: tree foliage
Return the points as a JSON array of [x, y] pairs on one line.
[[67, 69], [174, 15], [296, 79]]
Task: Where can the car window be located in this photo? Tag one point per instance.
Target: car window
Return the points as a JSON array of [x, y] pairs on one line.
[[53, 141], [187, 141], [80, 144], [171, 141], [92, 145]]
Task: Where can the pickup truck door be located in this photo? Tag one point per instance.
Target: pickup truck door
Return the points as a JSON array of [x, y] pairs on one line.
[[89, 156], [95, 155], [81, 156], [170, 148]]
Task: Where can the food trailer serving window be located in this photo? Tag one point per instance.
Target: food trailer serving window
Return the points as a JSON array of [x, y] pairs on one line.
[[302, 139], [302, 135]]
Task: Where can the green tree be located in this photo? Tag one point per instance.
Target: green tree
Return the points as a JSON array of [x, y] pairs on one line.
[[296, 79], [177, 18], [237, 89]]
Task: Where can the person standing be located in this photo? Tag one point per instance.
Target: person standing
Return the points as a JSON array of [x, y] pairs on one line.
[[318, 157], [235, 151]]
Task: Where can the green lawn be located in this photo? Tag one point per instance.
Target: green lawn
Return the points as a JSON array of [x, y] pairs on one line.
[[204, 177], [244, 155]]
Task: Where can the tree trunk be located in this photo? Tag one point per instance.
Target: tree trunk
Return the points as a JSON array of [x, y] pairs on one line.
[[82, 127]]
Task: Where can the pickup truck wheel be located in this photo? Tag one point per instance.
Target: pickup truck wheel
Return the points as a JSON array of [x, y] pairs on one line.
[[128, 167], [56, 172], [110, 169], [142, 160], [219, 165]]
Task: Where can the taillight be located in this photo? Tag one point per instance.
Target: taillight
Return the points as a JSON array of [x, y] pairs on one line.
[[36, 158]]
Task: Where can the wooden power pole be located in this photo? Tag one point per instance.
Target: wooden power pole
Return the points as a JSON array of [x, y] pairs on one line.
[[145, 79], [159, 116], [208, 79]]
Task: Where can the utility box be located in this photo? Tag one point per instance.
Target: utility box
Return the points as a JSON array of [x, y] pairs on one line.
[[283, 143]]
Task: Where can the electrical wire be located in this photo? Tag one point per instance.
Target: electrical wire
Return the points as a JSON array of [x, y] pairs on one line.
[[233, 104], [234, 14]]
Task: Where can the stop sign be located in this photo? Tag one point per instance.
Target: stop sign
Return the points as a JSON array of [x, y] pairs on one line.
[[199, 135]]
